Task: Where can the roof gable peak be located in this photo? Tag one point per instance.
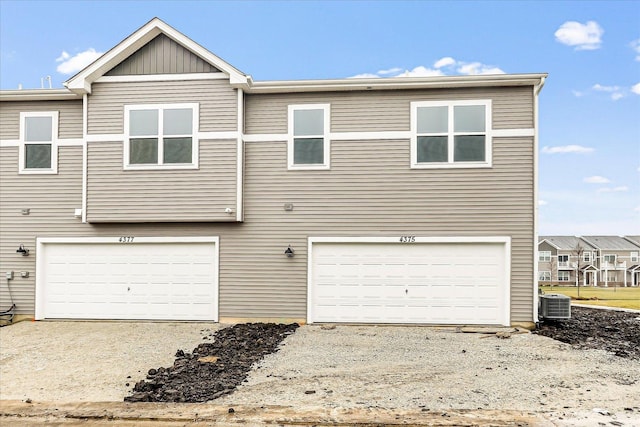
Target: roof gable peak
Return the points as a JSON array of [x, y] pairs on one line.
[[81, 82]]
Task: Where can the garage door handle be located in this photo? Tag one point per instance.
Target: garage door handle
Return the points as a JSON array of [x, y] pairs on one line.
[[128, 288], [406, 291]]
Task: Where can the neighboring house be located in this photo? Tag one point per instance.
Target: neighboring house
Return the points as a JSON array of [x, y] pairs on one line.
[[634, 268], [616, 256], [163, 183], [605, 260], [568, 260]]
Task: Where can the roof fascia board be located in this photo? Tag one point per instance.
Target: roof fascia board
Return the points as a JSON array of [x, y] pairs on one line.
[[38, 95], [81, 82], [394, 83]]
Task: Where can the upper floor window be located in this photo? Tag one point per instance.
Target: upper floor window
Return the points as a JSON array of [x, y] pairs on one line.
[[309, 145], [610, 258], [38, 142], [544, 256], [161, 136], [451, 134], [634, 256], [586, 256]]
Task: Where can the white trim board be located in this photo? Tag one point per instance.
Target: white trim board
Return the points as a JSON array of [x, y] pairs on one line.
[[162, 77]]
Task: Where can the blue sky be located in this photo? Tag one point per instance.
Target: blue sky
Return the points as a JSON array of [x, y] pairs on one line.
[[589, 160]]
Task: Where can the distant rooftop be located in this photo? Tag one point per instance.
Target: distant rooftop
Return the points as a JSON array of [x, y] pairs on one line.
[[611, 243], [567, 242]]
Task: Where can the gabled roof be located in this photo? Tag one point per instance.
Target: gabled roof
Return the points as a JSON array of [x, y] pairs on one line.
[[81, 82], [614, 243], [566, 243], [633, 239]]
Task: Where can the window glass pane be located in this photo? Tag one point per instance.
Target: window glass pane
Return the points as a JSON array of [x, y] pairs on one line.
[[308, 122], [178, 121], [37, 156], [432, 119], [469, 118], [469, 148], [177, 150], [143, 122], [38, 129], [432, 149], [308, 151], [143, 151]]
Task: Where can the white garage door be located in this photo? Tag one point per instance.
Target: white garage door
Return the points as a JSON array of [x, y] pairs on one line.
[[127, 278], [423, 281]]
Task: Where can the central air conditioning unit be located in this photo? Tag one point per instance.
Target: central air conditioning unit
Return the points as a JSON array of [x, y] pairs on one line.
[[555, 307]]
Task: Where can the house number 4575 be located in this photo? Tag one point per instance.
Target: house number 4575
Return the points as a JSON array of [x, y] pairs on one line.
[[407, 239]]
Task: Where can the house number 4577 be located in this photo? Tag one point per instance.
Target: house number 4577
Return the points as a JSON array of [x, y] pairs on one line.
[[126, 239]]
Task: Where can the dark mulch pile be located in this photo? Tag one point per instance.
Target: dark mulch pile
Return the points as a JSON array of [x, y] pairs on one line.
[[213, 369], [590, 328]]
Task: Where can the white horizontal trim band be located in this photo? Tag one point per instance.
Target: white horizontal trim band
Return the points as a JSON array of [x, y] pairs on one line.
[[503, 133], [354, 136], [136, 239], [59, 142], [418, 239], [162, 77]]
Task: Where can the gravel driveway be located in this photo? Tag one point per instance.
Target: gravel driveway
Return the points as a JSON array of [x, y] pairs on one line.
[[347, 366]]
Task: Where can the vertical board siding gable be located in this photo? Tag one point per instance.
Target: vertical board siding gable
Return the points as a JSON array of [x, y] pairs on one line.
[[162, 55]]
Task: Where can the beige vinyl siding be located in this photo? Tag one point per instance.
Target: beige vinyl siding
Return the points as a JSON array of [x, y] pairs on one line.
[[69, 121], [370, 191], [51, 200], [218, 102], [162, 56], [115, 195], [385, 110]]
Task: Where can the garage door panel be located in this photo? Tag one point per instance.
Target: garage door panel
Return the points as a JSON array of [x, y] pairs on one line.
[[456, 283], [148, 280]]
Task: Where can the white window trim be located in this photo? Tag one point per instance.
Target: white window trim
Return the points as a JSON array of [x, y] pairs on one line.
[[564, 276], [586, 256], [450, 133], [543, 258], [543, 274], [195, 137], [634, 256], [54, 143], [615, 258], [326, 136]]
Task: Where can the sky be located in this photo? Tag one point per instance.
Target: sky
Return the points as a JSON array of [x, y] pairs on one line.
[[589, 139]]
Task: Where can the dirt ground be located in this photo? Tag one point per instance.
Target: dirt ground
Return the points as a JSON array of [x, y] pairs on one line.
[[391, 374], [615, 331]]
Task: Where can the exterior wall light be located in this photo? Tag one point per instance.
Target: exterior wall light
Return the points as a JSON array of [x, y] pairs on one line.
[[21, 250], [289, 252]]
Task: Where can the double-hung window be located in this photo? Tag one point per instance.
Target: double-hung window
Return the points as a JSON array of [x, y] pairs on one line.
[[586, 256], [161, 136], [38, 142], [309, 145], [544, 256], [451, 134]]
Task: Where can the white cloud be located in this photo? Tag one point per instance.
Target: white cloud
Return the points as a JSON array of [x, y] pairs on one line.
[[636, 88], [72, 64], [635, 45], [420, 71], [581, 36], [365, 76], [389, 72], [443, 66], [444, 62], [613, 189], [567, 149], [476, 68], [542, 202], [596, 179], [637, 209], [577, 93], [602, 88]]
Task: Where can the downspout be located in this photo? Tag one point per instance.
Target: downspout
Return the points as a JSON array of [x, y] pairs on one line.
[[85, 153], [536, 91]]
